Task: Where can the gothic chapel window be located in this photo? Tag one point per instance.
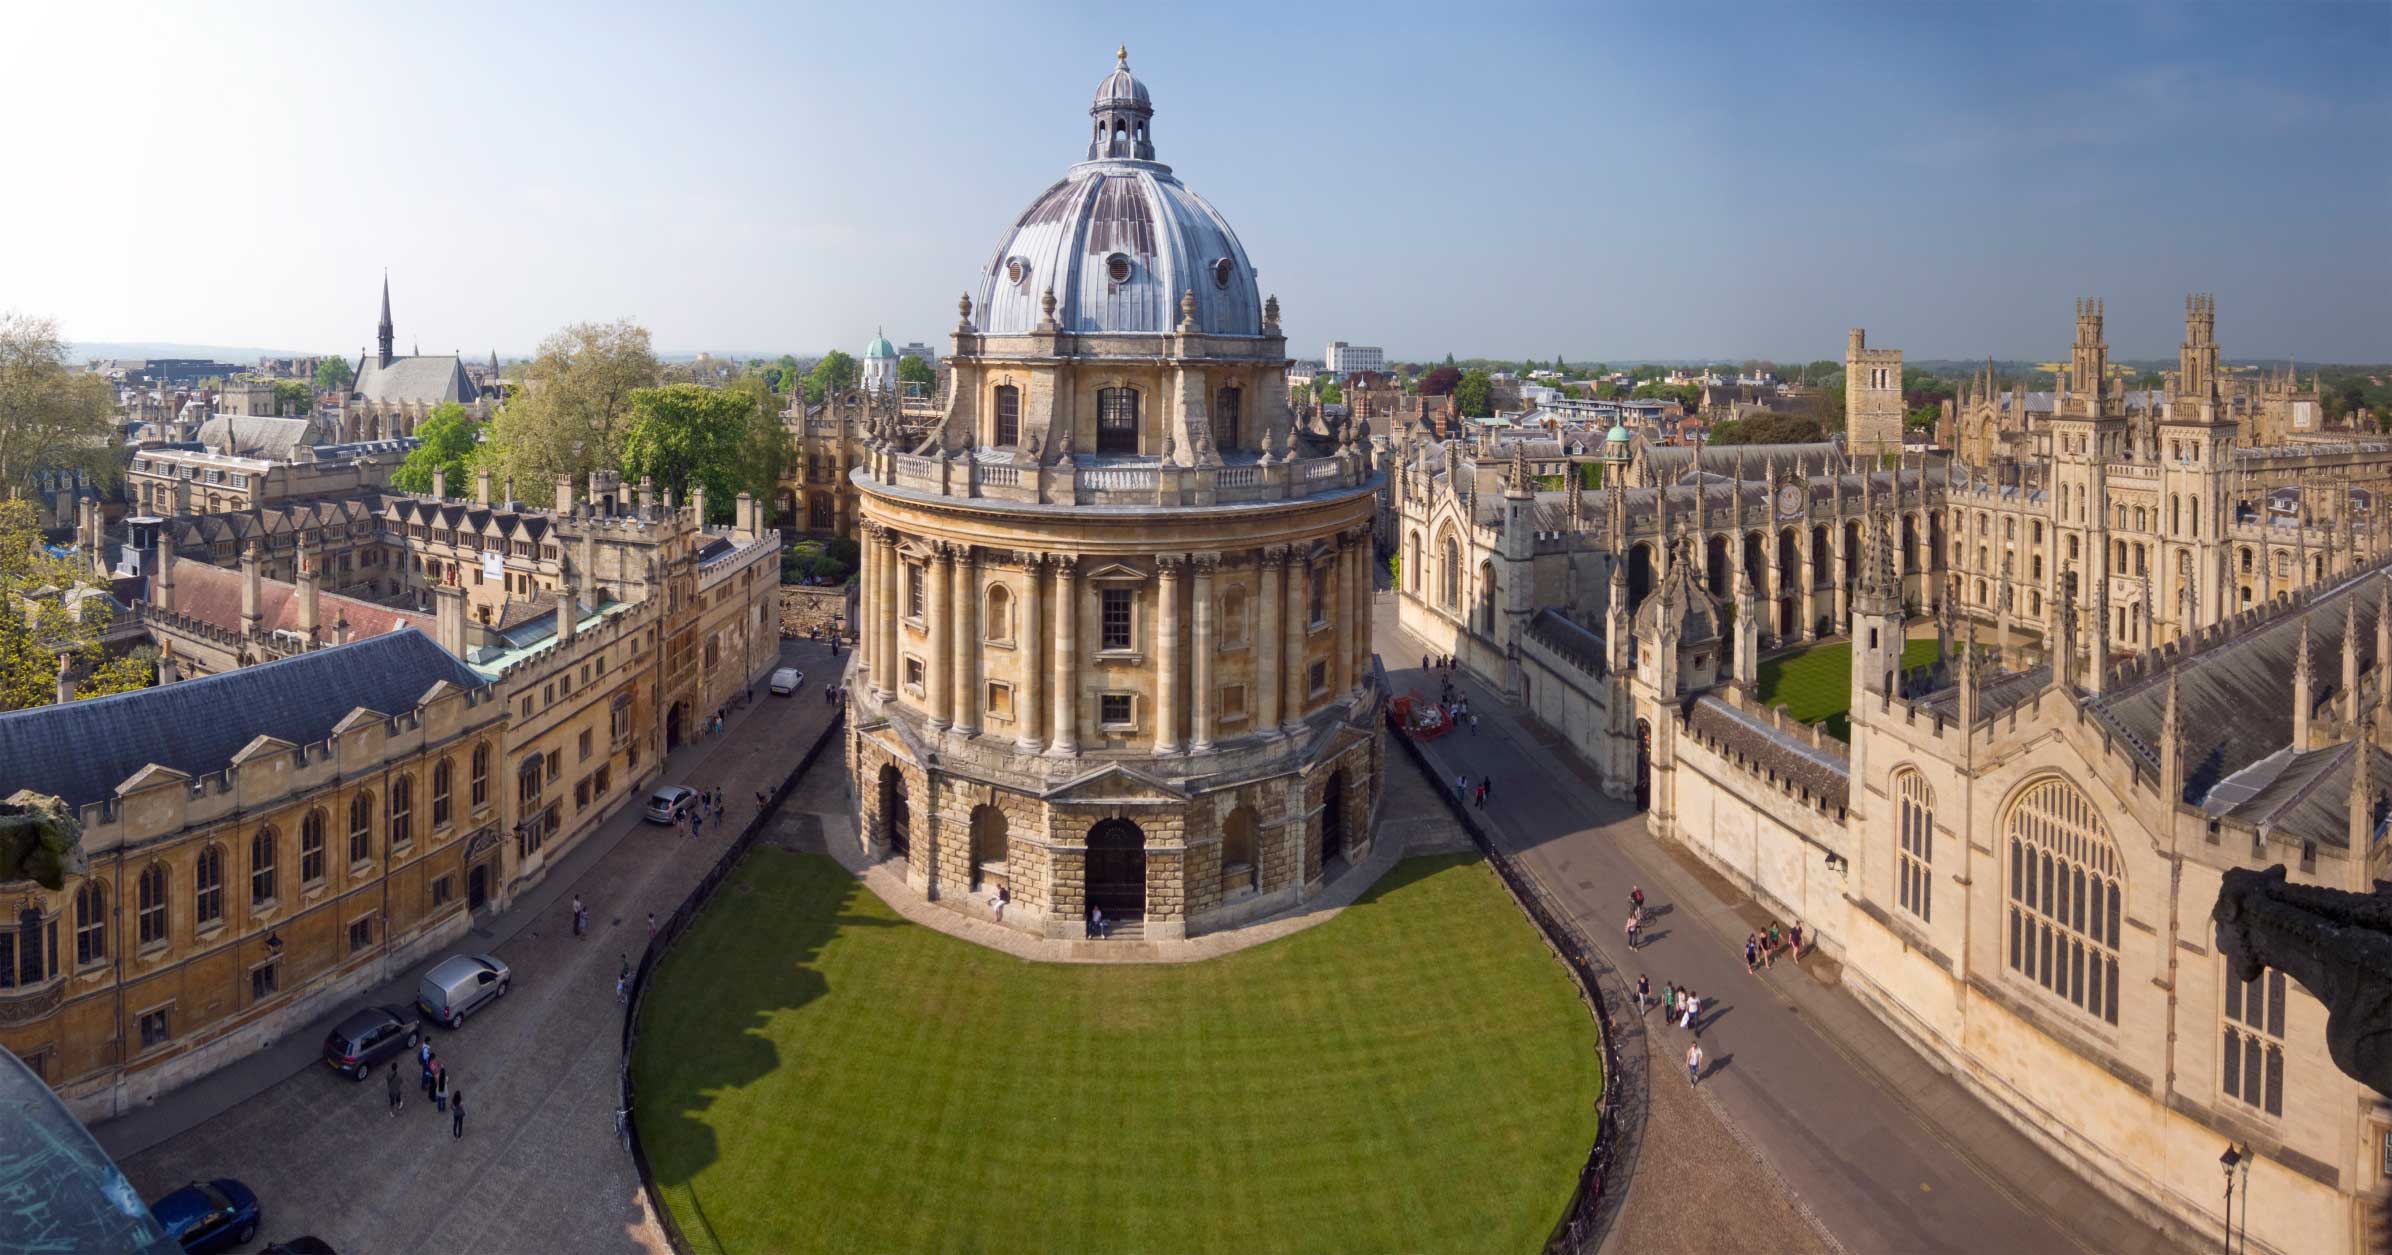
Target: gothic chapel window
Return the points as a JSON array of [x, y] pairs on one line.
[[2251, 1056], [2065, 898]]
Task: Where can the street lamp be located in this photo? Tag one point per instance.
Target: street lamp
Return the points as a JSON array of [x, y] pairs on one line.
[[2228, 1162]]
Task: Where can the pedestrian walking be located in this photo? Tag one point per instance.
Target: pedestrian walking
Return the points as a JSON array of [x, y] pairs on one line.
[[1694, 1061], [1482, 795], [428, 1062], [440, 1094], [1752, 954], [1636, 898], [1669, 1002], [1486, 784], [457, 1115], [578, 917], [651, 925], [1632, 930], [1474, 725], [1461, 784], [1686, 1006], [762, 801], [1424, 662], [398, 1093], [1797, 938], [622, 991], [1769, 951], [1644, 994]]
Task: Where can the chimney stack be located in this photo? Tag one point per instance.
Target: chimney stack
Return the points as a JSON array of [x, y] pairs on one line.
[[647, 496], [169, 671], [448, 618], [66, 678], [697, 504], [252, 590], [568, 617], [162, 580], [309, 588], [440, 482], [564, 495], [481, 488]]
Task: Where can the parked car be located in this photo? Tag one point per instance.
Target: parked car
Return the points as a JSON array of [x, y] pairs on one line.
[[207, 1216], [300, 1246], [787, 680], [669, 803], [460, 984], [368, 1037]]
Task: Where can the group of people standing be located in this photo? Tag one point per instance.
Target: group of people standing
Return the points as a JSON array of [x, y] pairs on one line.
[[692, 822], [435, 1084]]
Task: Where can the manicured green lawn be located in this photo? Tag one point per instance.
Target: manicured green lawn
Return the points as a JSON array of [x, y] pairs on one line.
[[815, 1073], [1816, 683]]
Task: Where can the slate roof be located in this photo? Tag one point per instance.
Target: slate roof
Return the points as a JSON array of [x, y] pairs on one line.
[[1569, 638], [212, 594], [274, 439], [421, 380], [2234, 698], [2305, 797], [1821, 773], [1743, 461], [81, 751]]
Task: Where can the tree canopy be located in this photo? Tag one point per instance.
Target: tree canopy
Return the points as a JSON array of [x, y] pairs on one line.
[[333, 374], [575, 406], [449, 435], [1439, 381], [687, 435], [293, 398], [51, 417], [1769, 428], [836, 372], [912, 369], [1474, 394], [36, 630]]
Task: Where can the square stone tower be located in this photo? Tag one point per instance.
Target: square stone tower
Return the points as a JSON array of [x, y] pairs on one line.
[[1872, 397]]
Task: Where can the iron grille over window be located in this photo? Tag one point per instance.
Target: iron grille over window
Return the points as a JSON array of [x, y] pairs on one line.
[[1116, 420]]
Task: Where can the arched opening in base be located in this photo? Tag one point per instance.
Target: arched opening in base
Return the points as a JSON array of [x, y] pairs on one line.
[[1115, 870], [1333, 842], [894, 819]]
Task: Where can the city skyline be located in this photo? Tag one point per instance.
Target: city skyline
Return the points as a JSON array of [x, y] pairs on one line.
[[1725, 184]]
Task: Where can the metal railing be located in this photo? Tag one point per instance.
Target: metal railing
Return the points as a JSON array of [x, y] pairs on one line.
[[669, 931], [1601, 1191]]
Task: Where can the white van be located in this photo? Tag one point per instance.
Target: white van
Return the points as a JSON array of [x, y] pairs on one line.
[[787, 680]]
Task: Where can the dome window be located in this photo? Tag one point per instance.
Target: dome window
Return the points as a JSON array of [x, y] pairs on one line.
[[1117, 267], [1223, 268], [1017, 270]]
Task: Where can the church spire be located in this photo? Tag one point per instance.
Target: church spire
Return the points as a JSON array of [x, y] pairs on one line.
[[384, 333]]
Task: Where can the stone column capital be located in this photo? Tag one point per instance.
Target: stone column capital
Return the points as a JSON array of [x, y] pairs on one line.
[[1274, 557], [1205, 564], [1032, 560], [1171, 563]]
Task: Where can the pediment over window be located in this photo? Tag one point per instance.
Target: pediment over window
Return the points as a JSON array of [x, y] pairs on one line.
[[1116, 573], [1116, 783]]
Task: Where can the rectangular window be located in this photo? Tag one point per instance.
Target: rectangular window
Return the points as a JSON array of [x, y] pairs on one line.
[[1115, 618], [1320, 678], [1000, 700], [1009, 415], [914, 590], [2251, 1052], [442, 890], [155, 1030], [264, 979], [361, 935], [1115, 710], [585, 746], [1318, 596], [1233, 703], [581, 794], [1116, 420], [913, 674]]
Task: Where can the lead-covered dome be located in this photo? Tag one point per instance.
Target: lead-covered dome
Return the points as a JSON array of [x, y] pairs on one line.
[[1119, 241]]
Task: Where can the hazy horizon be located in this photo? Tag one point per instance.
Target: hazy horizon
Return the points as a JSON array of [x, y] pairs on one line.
[[1627, 183]]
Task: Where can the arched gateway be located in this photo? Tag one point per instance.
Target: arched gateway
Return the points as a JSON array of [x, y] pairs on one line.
[[1116, 869]]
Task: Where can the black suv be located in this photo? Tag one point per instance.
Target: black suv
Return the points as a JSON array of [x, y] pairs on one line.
[[368, 1037]]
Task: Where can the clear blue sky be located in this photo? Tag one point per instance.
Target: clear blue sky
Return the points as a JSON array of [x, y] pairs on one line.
[[1664, 180]]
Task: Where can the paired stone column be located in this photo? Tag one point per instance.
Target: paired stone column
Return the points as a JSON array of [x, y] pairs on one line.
[[867, 645], [1339, 603], [1358, 631], [1266, 659], [1200, 734], [891, 672], [1066, 738], [967, 641], [939, 619], [1168, 683], [1030, 711], [1298, 628]]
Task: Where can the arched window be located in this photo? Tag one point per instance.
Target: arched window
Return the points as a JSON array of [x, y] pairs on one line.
[[261, 866], [441, 773], [1412, 563], [1226, 406], [997, 622], [1450, 595], [1116, 420], [1008, 416], [151, 897], [361, 827], [2066, 897], [207, 888], [481, 775], [311, 848], [91, 923], [2251, 1059], [1914, 866]]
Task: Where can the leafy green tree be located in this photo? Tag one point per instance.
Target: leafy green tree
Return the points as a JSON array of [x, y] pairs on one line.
[[911, 369], [1474, 394], [36, 631], [293, 398], [450, 436], [1439, 381], [687, 435], [836, 372], [1326, 391], [571, 415], [333, 374], [51, 417], [1769, 428]]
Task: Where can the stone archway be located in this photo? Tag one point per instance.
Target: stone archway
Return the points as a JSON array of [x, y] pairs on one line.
[[1114, 871], [895, 818], [1333, 831], [988, 846], [675, 725]]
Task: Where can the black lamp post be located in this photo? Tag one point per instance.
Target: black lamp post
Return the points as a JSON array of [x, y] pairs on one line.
[[2229, 1161]]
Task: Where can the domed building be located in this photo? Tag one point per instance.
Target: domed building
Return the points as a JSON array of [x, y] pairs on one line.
[[1116, 630], [880, 364]]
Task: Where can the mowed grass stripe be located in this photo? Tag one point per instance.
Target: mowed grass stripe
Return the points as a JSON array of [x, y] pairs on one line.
[[817, 1074]]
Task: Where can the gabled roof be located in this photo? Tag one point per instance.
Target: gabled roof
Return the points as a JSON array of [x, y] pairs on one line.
[[274, 439], [81, 751], [417, 380], [212, 594]]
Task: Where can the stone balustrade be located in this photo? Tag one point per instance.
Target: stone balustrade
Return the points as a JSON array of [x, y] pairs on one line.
[[1130, 484]]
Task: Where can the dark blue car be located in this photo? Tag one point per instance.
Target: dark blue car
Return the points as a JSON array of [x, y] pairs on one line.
[[207, 1216]]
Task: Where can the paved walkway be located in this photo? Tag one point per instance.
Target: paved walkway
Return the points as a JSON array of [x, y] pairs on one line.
[[1890, 1154], [540, 1167]]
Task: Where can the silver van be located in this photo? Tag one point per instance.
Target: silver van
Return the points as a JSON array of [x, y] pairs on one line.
[[460, 984]]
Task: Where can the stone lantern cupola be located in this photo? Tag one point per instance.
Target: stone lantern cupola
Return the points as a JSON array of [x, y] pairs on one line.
[[1123, 113]]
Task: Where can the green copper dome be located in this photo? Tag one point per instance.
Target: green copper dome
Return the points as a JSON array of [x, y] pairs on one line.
[[880, 347]]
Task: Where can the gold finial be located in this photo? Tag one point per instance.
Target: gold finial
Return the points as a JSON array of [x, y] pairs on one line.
[[1121, 56]]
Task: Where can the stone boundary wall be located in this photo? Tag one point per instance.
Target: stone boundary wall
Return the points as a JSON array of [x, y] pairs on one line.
[[809, 609]]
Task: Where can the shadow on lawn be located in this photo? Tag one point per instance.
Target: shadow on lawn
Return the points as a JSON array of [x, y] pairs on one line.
[[750, 955]]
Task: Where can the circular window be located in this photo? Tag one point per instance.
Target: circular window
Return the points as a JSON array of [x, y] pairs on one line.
[[1117, 267], [1017, 270], [1223, 268]]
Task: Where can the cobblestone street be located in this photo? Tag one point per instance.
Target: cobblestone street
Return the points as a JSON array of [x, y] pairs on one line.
[[540, 1167]]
